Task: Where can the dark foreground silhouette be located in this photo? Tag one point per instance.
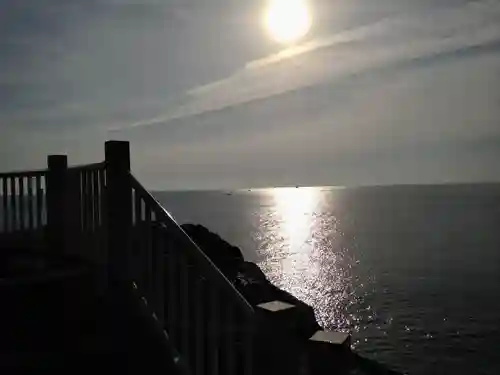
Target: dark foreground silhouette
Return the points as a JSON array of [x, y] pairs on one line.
[[56, 315]]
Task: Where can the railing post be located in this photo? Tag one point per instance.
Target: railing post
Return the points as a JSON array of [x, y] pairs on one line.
[[119, 195], [56, 197], [73, 219]]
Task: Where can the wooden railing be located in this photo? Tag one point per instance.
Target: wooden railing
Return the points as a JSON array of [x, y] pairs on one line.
[[102, 213], [86, 210], [23, 204], [207, 319]]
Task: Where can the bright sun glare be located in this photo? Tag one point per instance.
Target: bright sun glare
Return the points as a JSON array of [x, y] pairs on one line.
[[287, 20]]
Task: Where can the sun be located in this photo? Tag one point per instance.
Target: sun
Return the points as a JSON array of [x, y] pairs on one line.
[[287, 21]]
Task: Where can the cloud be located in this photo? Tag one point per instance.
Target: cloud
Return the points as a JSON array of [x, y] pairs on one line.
[[320, 61]]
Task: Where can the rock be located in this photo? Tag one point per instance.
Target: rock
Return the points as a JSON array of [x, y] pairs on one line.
[[250, 273], [225, 256], [256, 288], [249, 279]]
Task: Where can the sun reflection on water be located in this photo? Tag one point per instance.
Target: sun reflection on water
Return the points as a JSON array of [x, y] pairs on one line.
[[295, 208], [304, 252]]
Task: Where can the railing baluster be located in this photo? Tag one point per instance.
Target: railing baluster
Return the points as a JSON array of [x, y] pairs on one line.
[[39, 201], [21, 202], [147, 254], [93, 207], [200, 325], [159, 281], [143, 249], [248, 347], [190, 315], [83, 182], [29, 202], [89, 234], [137, 236], [102, 216], [79, 186], [76, 180], [95, 213], [5, 208], [229, 349], [26, 204], [100, 176], [90, 206], [184, 305], [143, 255], [173, 290], [83, 209], [31, 196], [137, 208], [13, 210], [95, 198], [86, 202], [132, 211], [134, 235], [153, 258], [214, 331]]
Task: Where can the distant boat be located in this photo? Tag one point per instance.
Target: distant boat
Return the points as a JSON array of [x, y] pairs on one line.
[[296, 187]]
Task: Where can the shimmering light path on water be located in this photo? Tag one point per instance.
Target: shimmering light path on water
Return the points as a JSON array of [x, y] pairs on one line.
[[412, 272]]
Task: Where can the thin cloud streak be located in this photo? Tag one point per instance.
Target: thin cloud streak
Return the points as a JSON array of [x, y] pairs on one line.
[[346, 53]]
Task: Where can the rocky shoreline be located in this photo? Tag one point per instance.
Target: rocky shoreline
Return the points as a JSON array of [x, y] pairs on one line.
[[289, 346], [248, 278]]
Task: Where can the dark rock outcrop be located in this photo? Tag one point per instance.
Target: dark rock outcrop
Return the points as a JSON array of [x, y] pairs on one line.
[[249, 279], [224, 255], [281, 350], [254, 286]]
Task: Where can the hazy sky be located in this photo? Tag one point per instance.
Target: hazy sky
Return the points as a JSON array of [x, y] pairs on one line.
[[380, 91]]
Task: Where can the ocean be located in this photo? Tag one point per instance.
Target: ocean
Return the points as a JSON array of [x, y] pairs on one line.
[[413, 272]]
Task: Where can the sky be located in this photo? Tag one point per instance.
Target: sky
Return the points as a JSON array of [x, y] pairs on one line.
[[378, 92]]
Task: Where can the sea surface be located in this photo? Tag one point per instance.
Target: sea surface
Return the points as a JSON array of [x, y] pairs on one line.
[[413, 272]]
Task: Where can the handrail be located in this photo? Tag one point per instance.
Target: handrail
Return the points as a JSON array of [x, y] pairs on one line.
[[212, 272], [210, 323]]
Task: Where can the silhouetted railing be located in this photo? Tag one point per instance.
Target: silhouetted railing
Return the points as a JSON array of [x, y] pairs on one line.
[[22, 205], [207, 319], [86, 207], [100, 212]]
